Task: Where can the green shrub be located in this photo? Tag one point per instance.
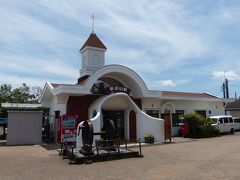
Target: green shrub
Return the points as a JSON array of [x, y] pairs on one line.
[[194, 121], [209, 131], [199, 127]]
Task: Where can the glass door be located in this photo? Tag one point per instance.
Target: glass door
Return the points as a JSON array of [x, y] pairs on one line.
[[118, 117]]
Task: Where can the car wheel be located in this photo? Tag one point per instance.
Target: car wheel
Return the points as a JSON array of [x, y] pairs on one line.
[[232, 131]]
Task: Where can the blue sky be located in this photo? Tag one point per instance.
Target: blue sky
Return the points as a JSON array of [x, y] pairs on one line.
[[178, 45]]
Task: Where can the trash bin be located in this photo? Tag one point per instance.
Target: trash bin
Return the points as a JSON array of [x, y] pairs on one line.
[[185, 130]]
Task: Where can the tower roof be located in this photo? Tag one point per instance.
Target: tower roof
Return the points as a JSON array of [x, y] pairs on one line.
[[93, 41]]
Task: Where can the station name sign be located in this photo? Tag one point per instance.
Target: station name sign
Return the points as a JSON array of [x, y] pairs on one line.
[[116, 89]]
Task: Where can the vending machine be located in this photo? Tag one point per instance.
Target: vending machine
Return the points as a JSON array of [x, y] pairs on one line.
[[67, 128]]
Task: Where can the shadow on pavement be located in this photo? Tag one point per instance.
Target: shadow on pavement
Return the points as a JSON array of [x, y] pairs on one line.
[[50, 146]]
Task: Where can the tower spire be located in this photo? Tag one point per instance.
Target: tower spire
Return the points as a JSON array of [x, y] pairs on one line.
[[93, 17]]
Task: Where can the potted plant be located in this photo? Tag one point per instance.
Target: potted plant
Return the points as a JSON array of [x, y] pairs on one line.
[[149, 138]]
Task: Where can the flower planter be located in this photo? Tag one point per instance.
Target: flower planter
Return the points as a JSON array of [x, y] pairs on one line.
[[149, 140]]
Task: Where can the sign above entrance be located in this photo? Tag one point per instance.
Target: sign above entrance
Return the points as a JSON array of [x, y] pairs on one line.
[[100, 89], [116, 89]]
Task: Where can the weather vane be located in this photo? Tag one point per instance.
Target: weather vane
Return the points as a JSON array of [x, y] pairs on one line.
[[93, 17]]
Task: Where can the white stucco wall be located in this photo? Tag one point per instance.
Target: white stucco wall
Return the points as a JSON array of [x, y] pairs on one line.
[[144, 124], [188, 106], [212, 108], [216, 108], [55, 103]]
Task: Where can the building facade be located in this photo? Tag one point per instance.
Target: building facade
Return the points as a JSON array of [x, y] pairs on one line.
[[233, 108], [117, 92]]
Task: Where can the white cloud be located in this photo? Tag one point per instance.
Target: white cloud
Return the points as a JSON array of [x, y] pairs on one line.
[[183, 81], [167, 83], [16, 81], [38, 67], [177, 38], [230, 75]]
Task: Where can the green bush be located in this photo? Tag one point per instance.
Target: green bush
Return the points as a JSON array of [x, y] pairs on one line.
[[199, 127], [209, 131]]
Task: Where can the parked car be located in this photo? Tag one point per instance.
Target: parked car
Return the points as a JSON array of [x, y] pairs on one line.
[[224, 123], [237, 123]]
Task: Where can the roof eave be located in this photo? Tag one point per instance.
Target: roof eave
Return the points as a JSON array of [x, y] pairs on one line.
[[92, 47]]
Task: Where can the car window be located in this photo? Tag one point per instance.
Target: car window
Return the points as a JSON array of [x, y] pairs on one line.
[[225, 120], [215, 120], [237, 120], [230, 120], [220, 121]]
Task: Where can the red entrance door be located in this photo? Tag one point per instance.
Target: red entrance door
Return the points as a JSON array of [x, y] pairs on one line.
[[167, 126], [132, 125]]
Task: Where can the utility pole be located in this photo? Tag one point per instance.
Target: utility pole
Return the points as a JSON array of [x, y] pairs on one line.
[[226, 86], [223, 89]]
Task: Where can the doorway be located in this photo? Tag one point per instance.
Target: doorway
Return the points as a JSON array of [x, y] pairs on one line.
[[132, 126], [118, 118], [167, 126]]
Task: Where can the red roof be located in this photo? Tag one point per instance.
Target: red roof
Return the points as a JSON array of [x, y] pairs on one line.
[[189, 94], [93, 41], [82, 80]]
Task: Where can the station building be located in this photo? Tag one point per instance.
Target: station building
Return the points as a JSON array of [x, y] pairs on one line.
[[117, 92]]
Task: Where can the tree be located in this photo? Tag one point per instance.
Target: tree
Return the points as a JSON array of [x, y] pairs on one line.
[[36, 94], [20, 94], [5, 93]]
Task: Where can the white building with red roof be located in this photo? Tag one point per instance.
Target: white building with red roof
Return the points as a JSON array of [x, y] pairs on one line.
[[117, 92]]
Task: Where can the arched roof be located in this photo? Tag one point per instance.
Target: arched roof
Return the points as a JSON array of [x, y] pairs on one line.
[[123, 74]]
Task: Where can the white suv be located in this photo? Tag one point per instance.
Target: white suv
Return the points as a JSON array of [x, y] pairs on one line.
[[224, 123]]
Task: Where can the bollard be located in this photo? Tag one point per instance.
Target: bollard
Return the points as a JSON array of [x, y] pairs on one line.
[[61, 151], [118, 146], [140, 148], [126, 144], [72, 152], [108, 146], [65, 149]]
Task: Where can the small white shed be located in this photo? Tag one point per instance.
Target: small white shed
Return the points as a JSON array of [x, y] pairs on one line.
[[24, 127]]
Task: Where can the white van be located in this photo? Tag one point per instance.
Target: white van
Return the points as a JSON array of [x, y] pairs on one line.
[[237, 123], [224, 123]]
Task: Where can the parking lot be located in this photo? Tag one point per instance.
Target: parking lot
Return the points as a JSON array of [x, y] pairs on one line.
[[213, 158]]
